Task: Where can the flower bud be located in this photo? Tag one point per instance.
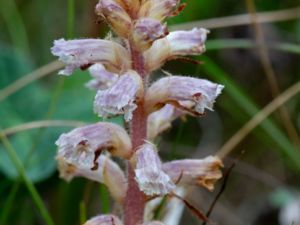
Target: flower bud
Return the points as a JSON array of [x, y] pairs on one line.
[[103, 79], [160, 120], [204, 172], [146, 31], [157, 9], [107, 172], [86, 52], [104, 220], [115, 15], [148, 171], [190, 94], [177, 43], [121, 97]]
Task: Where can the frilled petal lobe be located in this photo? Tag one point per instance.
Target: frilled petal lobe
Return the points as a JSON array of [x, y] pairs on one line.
[[104, 220], [204, 172], [161, 120], [177, 43], [85, 144], [187, 93], [121, 97], [103, 79], [115, 14], [83, 53], [146, 31], [148, 171], [107, 172], [158, 9]]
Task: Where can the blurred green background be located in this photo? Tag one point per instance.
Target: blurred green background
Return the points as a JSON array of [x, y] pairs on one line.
[[266, 175]]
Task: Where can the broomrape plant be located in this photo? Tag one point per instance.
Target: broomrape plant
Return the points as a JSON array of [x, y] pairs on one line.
[[121, 69]]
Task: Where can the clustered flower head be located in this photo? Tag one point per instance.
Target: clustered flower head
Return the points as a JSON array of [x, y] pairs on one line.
[[121, 69]]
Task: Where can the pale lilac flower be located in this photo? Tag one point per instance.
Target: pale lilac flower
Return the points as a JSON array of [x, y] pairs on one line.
[[204, 172], [146, 31], [148, 171], [104, 220], [161, 120], [176, 43], [121, 97], [85, 144], [116, 15], [107, 172], [187, 93], [83, 53], [158, 9], [103, 79]]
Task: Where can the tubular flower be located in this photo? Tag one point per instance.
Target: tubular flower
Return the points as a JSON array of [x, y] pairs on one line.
[[187, 93], [146, 31], [116, 15], [104, 220], [121, 97], [161, 120], [177, 43], [204, 172], [86, 52], [148, 171], [85, 144], [157, 9], [103, 79]]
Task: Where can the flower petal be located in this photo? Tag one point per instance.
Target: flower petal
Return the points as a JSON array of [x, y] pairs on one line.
[[104, 220], [116, 15], [177, 43], [146, 31], [121, 97], [157, 9], [187, 93], [204, 172], [153, 223], [149, 175], [161, 120], [85, 52], [103, 79]]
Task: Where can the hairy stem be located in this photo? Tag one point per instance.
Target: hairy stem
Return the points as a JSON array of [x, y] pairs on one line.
[[135, 199]]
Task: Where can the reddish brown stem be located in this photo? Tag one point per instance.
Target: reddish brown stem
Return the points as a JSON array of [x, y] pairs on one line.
[[135, 199]]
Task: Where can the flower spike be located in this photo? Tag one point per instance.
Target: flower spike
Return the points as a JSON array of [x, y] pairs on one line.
[[104, 220], [149, 175], [190, 94], [121, 97], [204, 172], [83, 53]]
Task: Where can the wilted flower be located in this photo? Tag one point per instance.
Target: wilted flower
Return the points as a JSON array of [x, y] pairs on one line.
[[116, 16], [149, 174], [121, 97], [187, 93], [204, 172]]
